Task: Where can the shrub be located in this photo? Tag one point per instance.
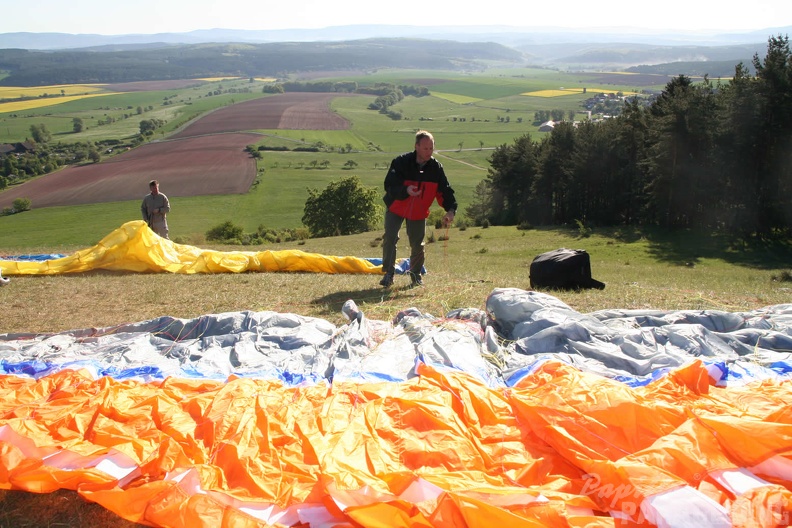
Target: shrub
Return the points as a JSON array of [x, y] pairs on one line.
[[783, 276], [436, 218], [301, 233], [21, 204], [225, 232], [583, 230]]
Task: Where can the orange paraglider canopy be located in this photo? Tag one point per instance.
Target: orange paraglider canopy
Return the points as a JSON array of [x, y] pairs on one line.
[[525, 414]]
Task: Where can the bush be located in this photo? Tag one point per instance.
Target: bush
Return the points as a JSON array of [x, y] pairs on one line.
[[783, 276], [583, 230], [436, 218], [225, 232], [21, 204]]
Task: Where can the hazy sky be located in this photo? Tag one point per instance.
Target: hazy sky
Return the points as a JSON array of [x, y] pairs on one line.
[[113, 17]]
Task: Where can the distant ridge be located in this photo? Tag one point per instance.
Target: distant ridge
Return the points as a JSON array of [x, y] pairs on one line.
[[512, 36]]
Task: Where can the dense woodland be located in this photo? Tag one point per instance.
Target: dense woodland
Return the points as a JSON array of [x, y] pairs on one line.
[[703, 155], [42, 68]]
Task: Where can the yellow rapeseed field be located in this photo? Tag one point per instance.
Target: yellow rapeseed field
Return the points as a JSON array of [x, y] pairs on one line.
[[456, 98], [16, 92], [215, 79], [554, 93], [16, 106], [571, 91]]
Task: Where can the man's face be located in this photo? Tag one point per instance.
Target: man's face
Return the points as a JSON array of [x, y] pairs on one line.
[[424, 149], [154, 189]]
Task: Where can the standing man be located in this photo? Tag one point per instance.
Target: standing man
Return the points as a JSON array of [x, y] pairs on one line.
[[155, 208], [413, 182]]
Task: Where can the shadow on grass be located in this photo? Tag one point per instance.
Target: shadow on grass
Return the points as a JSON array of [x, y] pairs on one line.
[[333, 302], [687, 247]]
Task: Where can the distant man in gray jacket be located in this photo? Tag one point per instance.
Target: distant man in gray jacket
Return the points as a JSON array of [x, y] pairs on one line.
[[155, 208]]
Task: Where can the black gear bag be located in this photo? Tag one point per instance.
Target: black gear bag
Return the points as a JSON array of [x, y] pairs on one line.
[[564, 269]]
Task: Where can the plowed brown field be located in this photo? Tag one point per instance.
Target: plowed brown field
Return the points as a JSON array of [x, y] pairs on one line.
[[295, 111], [206, 157]]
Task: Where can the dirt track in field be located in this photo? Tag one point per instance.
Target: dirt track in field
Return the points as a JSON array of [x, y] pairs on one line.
[[206, 157]]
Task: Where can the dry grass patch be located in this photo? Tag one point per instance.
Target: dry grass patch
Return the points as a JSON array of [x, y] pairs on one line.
[[463, 269]]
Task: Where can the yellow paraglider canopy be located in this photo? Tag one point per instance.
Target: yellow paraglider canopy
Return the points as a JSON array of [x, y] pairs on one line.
[[135, 247]]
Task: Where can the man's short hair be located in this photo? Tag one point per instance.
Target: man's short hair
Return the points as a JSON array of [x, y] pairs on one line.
[[422, 134], [153, 182]]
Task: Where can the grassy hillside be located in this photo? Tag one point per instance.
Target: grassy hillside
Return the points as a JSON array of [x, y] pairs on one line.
[[465, 132], [641, 270]]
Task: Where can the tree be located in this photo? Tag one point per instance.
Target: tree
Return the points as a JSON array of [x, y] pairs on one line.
[[149, 126], [77, 125], [344, 207], [629, 146], [735, 138], [504, 198], [40, 134], [774, 175], [555, 182], [680, 166], [479, 208], [93, 154]]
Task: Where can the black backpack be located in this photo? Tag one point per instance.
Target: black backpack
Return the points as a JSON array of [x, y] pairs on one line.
[[565, 269]]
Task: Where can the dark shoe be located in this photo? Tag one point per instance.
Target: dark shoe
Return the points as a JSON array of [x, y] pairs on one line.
[[387, 280], [416, 279]]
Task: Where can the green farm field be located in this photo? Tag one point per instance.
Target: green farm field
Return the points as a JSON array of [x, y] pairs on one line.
[[465, 136]]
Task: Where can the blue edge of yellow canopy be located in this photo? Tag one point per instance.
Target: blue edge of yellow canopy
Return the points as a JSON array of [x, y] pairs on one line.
[[527, 413]]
